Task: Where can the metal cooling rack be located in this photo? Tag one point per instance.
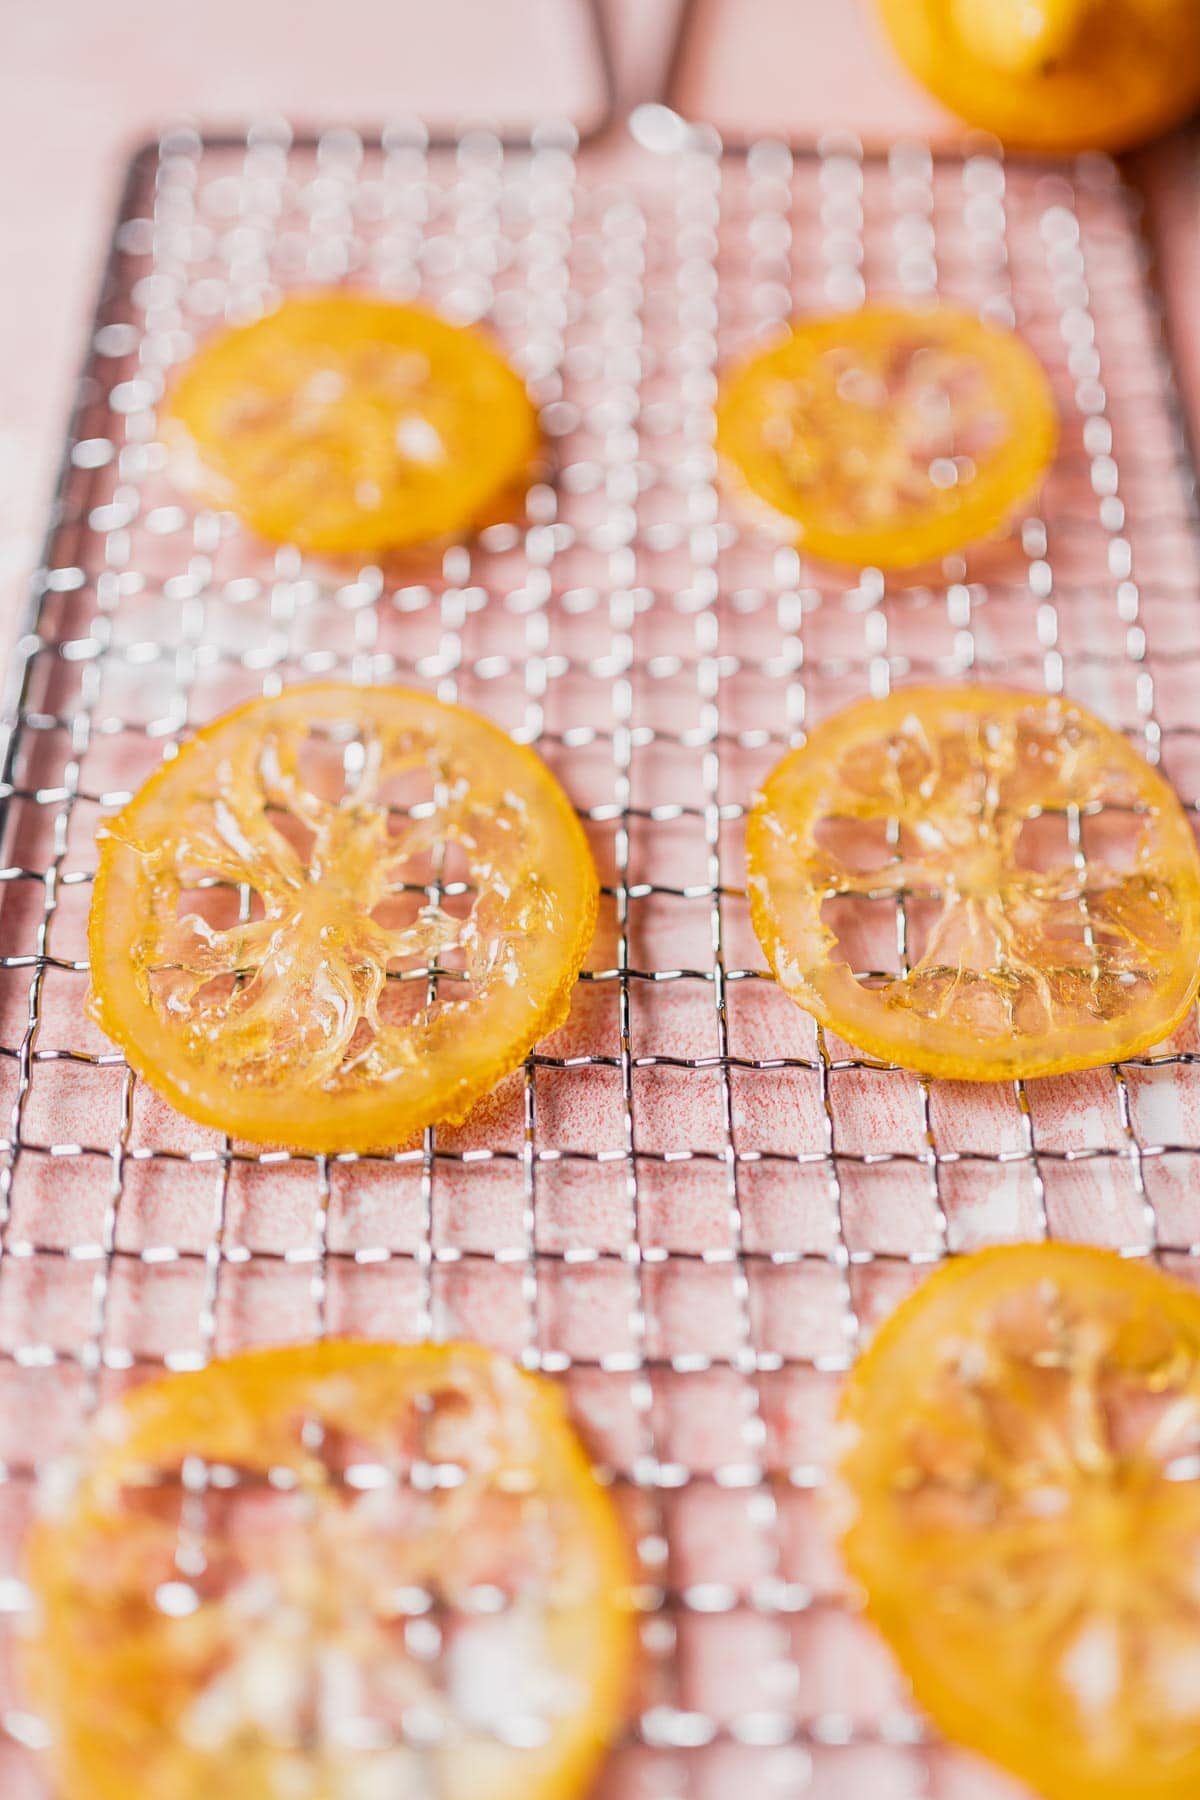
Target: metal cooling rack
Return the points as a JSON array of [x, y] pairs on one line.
[[691, 1201]]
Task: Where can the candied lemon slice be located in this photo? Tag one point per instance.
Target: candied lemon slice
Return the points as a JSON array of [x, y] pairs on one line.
[[977, 883], [402, 1579], [1021, 1481], [339, 916], [891, 436], [344, 423]]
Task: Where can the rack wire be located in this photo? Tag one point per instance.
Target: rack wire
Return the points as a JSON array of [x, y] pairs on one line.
[[692, 1201]]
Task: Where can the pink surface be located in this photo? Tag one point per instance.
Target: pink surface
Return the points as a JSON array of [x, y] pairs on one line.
[[598, 641]]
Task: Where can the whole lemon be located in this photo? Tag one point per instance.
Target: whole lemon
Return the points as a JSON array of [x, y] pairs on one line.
[[1057, 75]]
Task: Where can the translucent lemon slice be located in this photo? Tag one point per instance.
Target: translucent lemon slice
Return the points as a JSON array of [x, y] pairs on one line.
[[343, 423], [1023, 1510], [891, 436], [402, 1578], [339, 916], [977, 883]]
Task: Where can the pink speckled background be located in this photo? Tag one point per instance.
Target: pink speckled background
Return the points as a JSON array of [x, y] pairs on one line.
[[700, 1340]]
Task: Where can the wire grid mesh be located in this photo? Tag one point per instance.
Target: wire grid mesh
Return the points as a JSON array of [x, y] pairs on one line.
[[691, 1201]]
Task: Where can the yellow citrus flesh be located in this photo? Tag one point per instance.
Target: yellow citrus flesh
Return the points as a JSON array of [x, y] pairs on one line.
[[345, 423], [977, 883], [892, 436], [269, 907], [1056, 75], [402, 1578], [1020, 1485]]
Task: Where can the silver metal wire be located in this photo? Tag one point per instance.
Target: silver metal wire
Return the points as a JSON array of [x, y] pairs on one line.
[[691, 1202]]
